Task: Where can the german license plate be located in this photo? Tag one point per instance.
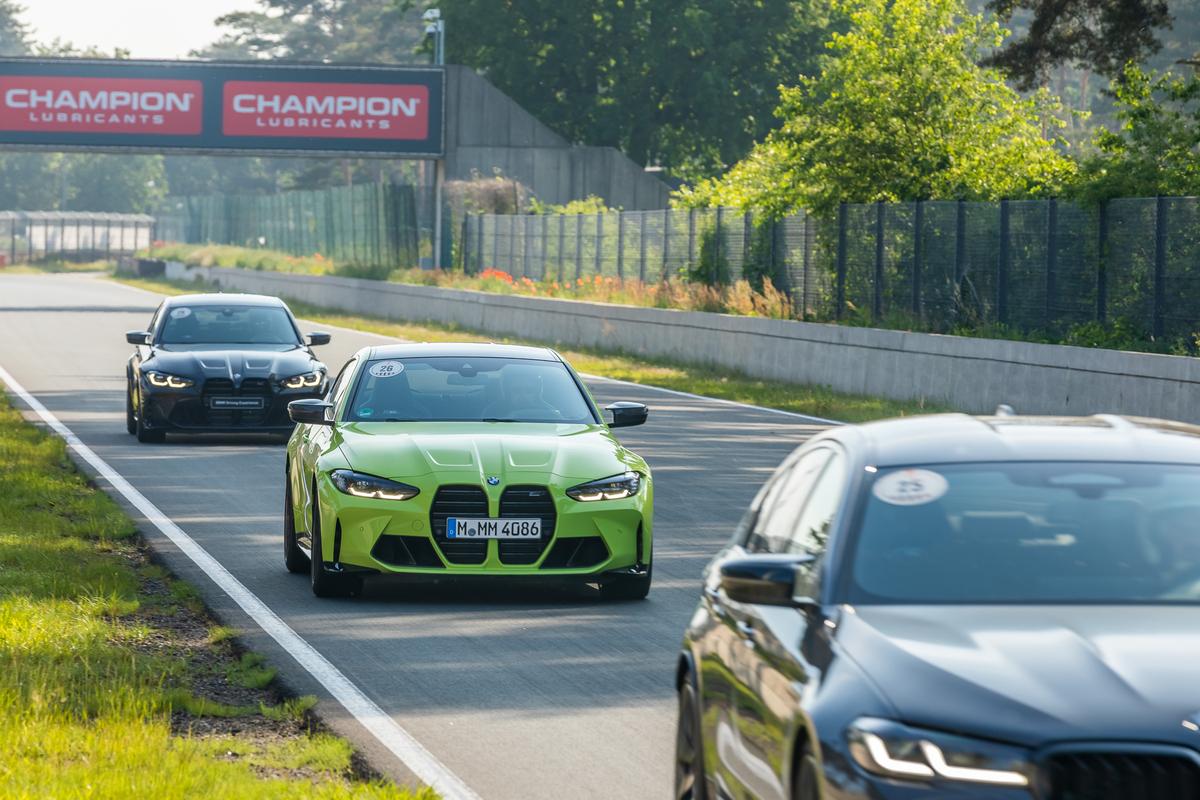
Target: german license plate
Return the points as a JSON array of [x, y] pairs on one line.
[[457, 528], [235, 403]]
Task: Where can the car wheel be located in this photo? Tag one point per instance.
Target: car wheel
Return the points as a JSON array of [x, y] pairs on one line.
[[324, 582], [631, 588], [130, 419], [293, 556], [144, 434], [691, 783], [806, 786]]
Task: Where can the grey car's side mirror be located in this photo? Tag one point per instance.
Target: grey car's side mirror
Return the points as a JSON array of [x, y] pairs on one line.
[[767, 580], [316, 338], [137, 337], [625, 414], [310, 412]]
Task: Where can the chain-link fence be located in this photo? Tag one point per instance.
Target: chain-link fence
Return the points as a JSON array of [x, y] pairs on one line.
[[371, 224], [1041, 265], [27, 236]]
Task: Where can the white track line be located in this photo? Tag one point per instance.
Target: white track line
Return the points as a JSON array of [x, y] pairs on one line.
[[390, 734], [676, 392]]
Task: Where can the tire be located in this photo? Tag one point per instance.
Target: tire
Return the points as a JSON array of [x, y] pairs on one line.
[[293, 556], [324, 582], [806, 784], [691, 782], [635, 588], [130, 419], [144, 434]]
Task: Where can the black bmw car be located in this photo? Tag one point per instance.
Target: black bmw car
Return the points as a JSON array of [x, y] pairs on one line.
[[956, 607], [213, 363]]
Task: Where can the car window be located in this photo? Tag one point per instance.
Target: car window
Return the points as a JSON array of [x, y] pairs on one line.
[[213, 324], [811, 532], [782, 505], [488, 389]]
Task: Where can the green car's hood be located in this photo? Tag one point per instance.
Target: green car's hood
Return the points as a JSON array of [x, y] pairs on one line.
[[512, 451]]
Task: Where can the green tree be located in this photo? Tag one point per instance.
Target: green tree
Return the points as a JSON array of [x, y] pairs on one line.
[[899, 111], [685, 84], [14, 33], [1101, 34], [1156, 148]]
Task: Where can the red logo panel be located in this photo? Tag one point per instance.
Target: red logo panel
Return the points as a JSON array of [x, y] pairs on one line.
[[325, 110], [101, 105]]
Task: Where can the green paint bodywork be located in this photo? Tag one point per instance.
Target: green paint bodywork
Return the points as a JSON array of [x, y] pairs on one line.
[[432, 454]]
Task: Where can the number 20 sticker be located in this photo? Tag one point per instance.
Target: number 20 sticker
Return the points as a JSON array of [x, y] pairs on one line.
[[910, 487]]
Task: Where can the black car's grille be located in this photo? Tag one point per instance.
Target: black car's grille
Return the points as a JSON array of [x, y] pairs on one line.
[[576, 553], [458, 501], [406, 551], [235, 418], [1127, 776], [530, 502]]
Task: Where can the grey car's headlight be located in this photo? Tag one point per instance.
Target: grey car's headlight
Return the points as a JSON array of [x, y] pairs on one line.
[[897, 751], [309, 380], [165, 381], [362, 485], [616, 487]]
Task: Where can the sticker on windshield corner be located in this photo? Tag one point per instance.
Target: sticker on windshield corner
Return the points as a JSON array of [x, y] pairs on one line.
[[180, 313], [386, 369], [910, 487]]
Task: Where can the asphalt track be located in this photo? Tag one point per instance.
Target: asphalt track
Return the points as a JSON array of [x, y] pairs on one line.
[[521, 694]]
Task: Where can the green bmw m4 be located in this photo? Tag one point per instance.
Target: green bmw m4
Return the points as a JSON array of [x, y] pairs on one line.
[[445, 460]]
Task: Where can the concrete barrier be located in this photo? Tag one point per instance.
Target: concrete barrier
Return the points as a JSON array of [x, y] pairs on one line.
[[970, 374]]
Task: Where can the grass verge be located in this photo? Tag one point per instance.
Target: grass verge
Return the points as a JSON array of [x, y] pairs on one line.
[[56, 265], [113, 681], [818, 401]]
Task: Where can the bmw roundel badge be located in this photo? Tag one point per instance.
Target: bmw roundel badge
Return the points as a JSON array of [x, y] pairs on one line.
[[493, 480]]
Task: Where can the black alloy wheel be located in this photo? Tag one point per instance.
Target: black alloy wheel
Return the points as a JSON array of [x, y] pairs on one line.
[[690, 780]]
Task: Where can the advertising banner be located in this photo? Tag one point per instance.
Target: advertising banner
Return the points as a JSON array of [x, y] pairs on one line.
[[210, 107]]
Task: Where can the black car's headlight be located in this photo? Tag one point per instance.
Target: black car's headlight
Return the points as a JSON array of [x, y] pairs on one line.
[[897, 751], [165, 381], [309, 380], [361, 485], [617, 487]]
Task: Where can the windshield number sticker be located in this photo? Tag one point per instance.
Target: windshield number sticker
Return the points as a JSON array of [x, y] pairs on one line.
[[180, 313], [910, 487], [386, 369]]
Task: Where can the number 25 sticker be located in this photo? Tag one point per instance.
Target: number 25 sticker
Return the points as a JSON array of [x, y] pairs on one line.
[[910, 487]]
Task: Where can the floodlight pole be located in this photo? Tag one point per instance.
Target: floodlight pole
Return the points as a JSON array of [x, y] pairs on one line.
[[436, 26]]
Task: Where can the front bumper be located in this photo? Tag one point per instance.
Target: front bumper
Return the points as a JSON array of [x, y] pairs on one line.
[[610, 538], [196, 408]]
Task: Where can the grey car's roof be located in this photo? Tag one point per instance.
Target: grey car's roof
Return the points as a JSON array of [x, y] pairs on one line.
[[950, 438], [461, 350], [220, 299]]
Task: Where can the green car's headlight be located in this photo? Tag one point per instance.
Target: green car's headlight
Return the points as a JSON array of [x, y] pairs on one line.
[[897, 751], [618, 487], [359, 484], [164, 381], [309, 380]]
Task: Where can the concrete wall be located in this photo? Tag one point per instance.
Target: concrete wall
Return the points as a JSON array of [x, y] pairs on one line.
[[486, 131], [970, 374]]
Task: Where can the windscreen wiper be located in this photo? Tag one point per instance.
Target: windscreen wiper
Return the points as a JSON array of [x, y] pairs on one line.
[[498, 419]]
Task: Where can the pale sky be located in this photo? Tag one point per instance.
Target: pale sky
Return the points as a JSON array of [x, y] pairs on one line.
[[147, 28]]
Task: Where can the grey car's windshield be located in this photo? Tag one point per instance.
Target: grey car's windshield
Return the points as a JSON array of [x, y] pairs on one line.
[[1029, 533], [211, 324], [467, 390]]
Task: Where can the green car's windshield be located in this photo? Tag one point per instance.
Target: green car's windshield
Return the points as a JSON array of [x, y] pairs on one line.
[[210, 324], [1063, 532], [467, 390]]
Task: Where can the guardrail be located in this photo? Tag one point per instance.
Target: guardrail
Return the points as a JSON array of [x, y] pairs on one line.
[[970, 374]]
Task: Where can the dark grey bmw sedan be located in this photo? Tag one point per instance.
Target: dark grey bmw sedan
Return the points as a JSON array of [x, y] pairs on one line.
[[950, 606]]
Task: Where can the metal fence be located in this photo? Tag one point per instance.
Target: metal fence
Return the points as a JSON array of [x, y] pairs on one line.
[[27, 236], [1034, 265], [368, 224]]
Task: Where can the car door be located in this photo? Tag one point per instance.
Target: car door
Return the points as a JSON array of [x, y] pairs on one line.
[[765, 679], [312, 441]]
